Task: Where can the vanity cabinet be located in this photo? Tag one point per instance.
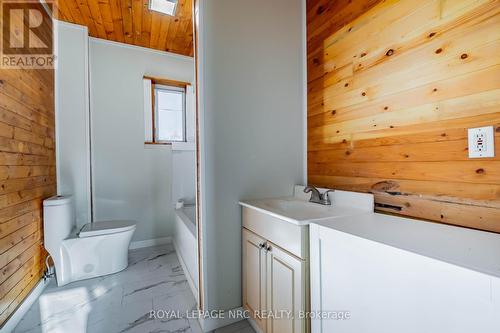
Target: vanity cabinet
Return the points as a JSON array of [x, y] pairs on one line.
[[285, 276], [275, 280], [254, 275]]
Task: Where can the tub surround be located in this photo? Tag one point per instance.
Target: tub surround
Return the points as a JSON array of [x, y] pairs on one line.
[[186, 244]]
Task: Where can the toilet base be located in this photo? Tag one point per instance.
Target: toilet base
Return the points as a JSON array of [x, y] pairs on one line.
[[90, 257]]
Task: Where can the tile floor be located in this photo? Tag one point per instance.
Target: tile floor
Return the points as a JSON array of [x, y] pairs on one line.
[[122, 302]]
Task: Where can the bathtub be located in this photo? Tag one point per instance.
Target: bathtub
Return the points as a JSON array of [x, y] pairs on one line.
[[186, 244]]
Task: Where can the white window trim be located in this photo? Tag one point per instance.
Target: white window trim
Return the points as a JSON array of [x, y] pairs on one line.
[[184, 113]]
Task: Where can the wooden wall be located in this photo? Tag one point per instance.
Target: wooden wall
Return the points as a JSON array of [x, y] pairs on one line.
[[27, 176], [392, 88]]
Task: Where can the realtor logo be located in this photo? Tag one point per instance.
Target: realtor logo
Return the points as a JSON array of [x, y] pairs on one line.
[[27, 35]]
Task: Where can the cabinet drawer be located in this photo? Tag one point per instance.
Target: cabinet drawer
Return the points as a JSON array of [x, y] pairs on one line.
[[291, 237]]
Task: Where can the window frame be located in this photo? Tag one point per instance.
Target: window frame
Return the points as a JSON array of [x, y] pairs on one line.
[[155, 133]]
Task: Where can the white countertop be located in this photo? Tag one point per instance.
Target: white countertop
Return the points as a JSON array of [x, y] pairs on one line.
[[299, 212], [472, 249]]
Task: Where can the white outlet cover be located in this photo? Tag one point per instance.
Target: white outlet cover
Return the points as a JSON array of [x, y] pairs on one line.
[[481, 142]]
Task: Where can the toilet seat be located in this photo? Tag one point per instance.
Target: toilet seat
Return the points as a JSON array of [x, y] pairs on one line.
[[106, 227]]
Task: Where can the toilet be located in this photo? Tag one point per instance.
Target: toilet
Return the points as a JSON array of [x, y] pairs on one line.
[[97, 249]]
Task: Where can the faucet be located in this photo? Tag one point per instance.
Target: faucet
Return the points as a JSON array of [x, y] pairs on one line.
[[317, 197]]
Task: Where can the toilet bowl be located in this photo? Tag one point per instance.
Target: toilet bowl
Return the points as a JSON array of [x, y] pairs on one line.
[[97, 249]]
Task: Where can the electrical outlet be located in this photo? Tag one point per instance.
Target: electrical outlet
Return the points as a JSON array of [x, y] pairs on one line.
[[481, 142]]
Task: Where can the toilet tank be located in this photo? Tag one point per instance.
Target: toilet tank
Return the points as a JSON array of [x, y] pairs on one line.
[[58, 220]]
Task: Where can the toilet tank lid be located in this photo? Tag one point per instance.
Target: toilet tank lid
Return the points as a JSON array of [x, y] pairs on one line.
[[106, 227], [57, 200]]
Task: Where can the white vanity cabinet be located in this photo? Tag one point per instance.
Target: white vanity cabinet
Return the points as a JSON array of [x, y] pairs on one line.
[[380, 273], [276, 290], [275, 272]]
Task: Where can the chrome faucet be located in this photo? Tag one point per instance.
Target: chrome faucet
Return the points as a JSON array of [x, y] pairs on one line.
[[318, 197]]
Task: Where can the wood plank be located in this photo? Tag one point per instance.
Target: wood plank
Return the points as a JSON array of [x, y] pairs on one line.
[[19, 184], [95, 13], [167, 82], [14, 198], [433, 132], [147, 18], [31, 267], [486, 79], [155, 31], [467, 106], [24, 171], [116, 15], [393, 20], [107, 18], [12, 267], [448, 129], [413, 152], [16, 237], [391, 82], [14, 120], [137, 20], [33, 101], [11, 145], [19, 248], [487, 195], [17, 223], [23, 159], [478, 172], [470, 216], [328, 17], [6, 102], [19, 289]]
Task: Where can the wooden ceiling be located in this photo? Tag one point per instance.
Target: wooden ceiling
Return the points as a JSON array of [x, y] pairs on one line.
[[131, 22]]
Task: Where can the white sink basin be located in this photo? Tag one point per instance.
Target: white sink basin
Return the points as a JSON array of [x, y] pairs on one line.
[[299, 211]]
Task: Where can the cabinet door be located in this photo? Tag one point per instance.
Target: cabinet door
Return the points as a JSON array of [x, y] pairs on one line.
[[285, 291], [254, 276]]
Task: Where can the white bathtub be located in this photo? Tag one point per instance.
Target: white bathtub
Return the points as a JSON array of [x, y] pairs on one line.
[[186, 244]]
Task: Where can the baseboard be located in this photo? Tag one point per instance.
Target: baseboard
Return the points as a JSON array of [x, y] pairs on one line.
[[150, 242], [21, 311], [210, 324], [191, 283]]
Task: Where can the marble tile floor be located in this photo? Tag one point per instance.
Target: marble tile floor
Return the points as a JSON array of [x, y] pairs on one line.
[[122, 302]]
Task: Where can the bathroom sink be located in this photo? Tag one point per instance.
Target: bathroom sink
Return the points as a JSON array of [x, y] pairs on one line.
[[299, 211]]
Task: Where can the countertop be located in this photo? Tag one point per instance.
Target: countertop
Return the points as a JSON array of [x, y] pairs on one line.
[[297, 217], [468, 248]]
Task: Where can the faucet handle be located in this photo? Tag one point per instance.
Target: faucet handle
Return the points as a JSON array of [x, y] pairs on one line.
[[308, 189], [325, 194], [325, 198]]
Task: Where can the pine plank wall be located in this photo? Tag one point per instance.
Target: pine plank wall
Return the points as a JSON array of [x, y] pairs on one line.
[[392, 88], [27, 176]]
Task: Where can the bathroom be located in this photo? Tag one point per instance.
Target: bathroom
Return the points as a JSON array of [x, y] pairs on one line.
[[250, 166]]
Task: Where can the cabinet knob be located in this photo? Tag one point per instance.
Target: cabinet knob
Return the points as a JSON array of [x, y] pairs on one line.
[[269, 248], [262, 245]]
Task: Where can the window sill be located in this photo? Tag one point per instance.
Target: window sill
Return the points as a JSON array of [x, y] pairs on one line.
[[157, 145]]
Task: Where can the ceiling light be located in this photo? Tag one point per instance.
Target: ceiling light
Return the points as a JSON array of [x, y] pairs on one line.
[[163, 6]]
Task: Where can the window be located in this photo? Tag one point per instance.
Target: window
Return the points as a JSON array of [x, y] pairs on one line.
[[169, 114], [169, 109]]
